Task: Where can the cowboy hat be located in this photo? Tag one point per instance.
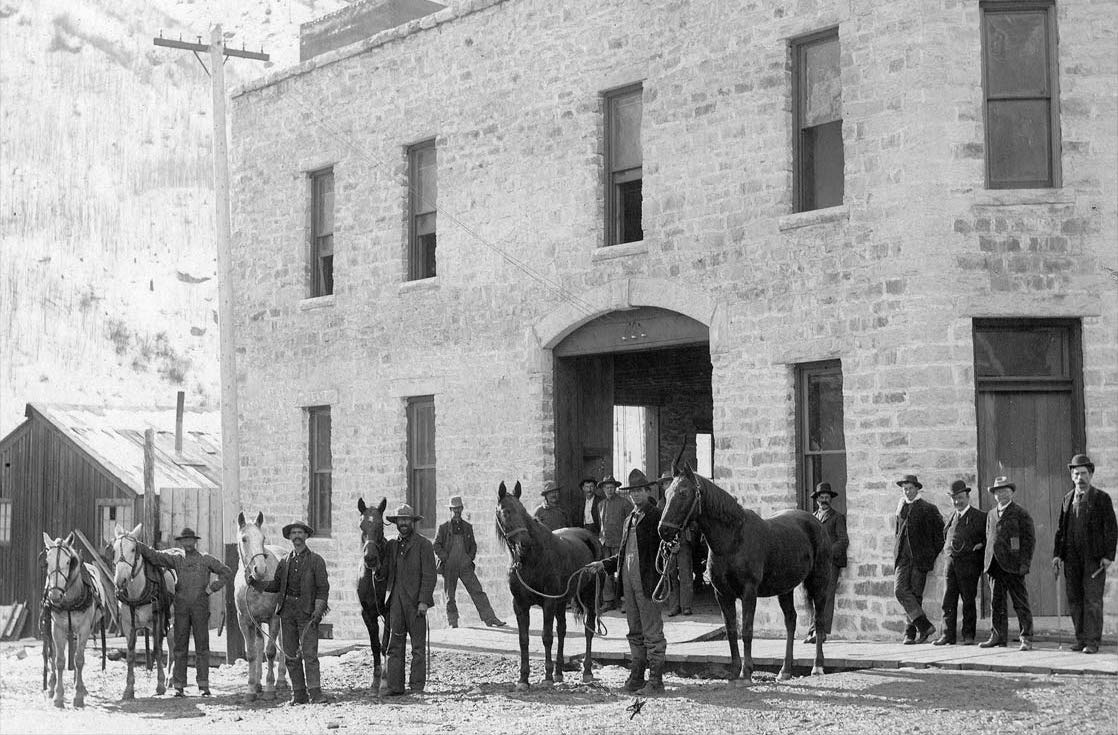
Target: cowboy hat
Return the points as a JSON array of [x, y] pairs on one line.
[[297, 524], [958, 487], [824, 488], [637, 480], [456, 502], [1000, 482], [609, 480], [404, 511], [187, 532], [1082, 460], [549, 487], [909, 478]]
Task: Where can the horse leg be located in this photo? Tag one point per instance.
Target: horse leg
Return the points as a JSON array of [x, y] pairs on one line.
[[130, 677], [788, 607], [252, 655], [560, 636], [281, 662], [748, 609], [730, 619], [371, 626], [79, 663], [61, 643], [522, 623], [588, 659], [157, 629], [548, 638], [819, 593]]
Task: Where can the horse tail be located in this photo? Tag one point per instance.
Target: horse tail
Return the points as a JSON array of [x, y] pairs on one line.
[[104, 654]]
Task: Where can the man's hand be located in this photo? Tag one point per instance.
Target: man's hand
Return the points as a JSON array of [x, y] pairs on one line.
[[1104, 562], [210, 588], [596, 566], [319, 611], [977, 547], [1057, 563], [422, 608]]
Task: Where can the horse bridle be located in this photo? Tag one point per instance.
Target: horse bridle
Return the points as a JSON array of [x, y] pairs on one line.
[[378, 544], [69, 576], [694, 510], [136, 565], [508, 537]]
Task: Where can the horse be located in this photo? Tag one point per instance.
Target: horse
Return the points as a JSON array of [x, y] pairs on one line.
[[255, 608], [147, 593], [77, 600], [547, 569], [752, 557], [371, 584]]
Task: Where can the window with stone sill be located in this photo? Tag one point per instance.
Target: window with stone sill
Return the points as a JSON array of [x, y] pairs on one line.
[[322, 233], [624, 157], [821, 439], [1019, 64], [817, 110], [319, 506], [421, 459], [423, 192]]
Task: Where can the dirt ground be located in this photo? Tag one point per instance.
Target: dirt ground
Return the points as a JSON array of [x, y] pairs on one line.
[[474, 694]]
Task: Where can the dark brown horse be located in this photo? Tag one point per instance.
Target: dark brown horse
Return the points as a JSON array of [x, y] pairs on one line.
[[371, 585], [546, 571], [753, 557]]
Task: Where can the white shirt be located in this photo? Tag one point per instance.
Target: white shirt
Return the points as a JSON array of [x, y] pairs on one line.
[[588, 512]]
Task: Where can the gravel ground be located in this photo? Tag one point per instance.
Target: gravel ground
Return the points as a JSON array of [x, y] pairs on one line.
[[472, 693]]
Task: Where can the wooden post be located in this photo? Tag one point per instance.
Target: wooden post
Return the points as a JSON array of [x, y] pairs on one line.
[[151, 501], [180, 405]]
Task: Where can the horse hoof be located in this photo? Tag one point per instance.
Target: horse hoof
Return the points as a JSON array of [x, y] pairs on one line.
[[547, 683], [78, 703], [160, 691], [251, 697], [784, 675], [558, 677], [817, 671], [587, 677], [522, 686]]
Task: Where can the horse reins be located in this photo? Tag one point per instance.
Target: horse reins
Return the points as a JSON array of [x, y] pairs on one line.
[[666, 556]]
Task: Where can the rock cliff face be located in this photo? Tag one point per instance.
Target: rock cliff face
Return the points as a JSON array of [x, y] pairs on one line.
[[108, 283]]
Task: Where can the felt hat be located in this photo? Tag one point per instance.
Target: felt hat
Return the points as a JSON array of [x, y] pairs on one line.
[[187, 532], [404, 511], [1082, 460], [909, 478], [550, 487], [297, 524], [585, 480], [609, 480], [637, 480], [824, 488], [958, 487], [456, 502], [1000, 482]]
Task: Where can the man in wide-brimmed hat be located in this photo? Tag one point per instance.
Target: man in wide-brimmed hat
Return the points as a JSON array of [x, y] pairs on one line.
[[455, 549], [550, 513], [917, 543], [411, 589], [1086, 538], [1010, 539], [613, 510], [304, 590], [192, 604], [965, 538], [834, 524]]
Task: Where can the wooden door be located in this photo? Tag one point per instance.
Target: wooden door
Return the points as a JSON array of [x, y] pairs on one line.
[[200, 509]]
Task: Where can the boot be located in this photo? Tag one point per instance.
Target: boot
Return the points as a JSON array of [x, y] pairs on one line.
[[655, 683], [298, 682], [316, 696], [636, 670], [298, 696]]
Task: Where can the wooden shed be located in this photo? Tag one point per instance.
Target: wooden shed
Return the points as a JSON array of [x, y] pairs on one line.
[[70, 467]]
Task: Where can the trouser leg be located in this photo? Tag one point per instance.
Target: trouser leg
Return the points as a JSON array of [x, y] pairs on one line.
[[477, 594], [1019, 594], [968, 591], [950, 600], [908, 587], [398, 631], [450, 587], [1074, 579], [182, 645], [829, 606], [686, 572], [200, 622], [999, 617], [289, 633], [1093, 588], [417, 632]]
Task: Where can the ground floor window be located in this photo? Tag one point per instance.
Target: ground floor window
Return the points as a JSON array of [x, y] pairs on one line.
[[110, 512], [421, 459], [820, 440]]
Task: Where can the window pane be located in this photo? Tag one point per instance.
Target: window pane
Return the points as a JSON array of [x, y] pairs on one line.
[[324, 204], [425, 224], [1017, 53], [323, 459], [324, 276], [629, 200], [823, 165], [426, 185], [1040, 352], [321, 502], [824, 412], [625, 132], [1020, 142], [821, 85]]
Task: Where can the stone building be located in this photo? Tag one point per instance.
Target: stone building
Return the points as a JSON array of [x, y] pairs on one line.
[[820, 240]]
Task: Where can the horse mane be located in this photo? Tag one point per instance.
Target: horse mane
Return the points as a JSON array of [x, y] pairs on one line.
[[719, 503]]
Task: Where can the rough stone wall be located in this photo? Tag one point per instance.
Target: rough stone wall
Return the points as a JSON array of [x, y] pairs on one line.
[[511, 91]]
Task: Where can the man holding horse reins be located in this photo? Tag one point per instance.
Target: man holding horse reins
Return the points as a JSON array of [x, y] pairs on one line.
[[304, 588], [455, 548], [192, 604], [635, 567], [411, 590]]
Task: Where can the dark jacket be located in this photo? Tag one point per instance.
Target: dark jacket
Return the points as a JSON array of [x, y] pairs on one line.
[[962, 535], [922, 530], [315, 585], [613, 512], [1101, 529], [1010, 539], [442, 544], [648, 543], [579, 520], [193, 570], [411, 574], [553, 517], [834, 523]]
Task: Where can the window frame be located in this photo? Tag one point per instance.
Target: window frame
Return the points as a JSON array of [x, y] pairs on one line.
[[117, 503], [615, 177], [417, 266], [319, 510], [804, 479], [414, 404], [803, 195], [1054, 181], [321, 242], [7, 513]]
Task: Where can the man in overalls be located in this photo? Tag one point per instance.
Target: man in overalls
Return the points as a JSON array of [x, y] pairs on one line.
[[455, 549]]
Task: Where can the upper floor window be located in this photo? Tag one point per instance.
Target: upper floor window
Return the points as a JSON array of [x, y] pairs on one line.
[[817, 95], [624, 108], [1022, 111], [322, 233], [423, 189], [321, 470]]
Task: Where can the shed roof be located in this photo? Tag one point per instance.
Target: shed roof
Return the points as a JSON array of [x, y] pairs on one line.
[[114, 437]]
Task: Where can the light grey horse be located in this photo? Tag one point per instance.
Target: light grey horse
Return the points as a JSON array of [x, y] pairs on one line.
[[255, 608]]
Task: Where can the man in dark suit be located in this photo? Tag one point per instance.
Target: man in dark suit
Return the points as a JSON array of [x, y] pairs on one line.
[[304, 587], [918, 541], [1086, 538], [965, 534], [834, 523], [1010, 539], [635, 566], [591, 518], [411, 590]]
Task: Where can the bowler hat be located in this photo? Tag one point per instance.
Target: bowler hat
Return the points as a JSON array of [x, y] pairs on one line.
[[549, 487], [456, 502], [637, 480], [1082, 460], [1000, 482], [912, 479], [958, 487], [609, 480], [297, 524], [585, 480], [404, 511], [824, 488], [187, 532]]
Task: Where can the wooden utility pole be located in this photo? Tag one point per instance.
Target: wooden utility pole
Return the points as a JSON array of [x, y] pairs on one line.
[[230, 445]]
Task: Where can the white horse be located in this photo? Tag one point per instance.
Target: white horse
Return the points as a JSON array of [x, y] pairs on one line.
[[255, 608], [77, 600], [145, 594]]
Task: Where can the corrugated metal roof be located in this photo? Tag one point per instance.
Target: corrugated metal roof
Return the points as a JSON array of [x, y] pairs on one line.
[[114, 436]]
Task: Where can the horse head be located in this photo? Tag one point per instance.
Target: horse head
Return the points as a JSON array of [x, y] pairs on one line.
[[372, 532], [62, 564], [127, 562], [250, 547], [683, 502], [513, 521]]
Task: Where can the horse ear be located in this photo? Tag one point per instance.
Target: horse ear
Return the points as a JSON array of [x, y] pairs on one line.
[[260, 519], [118, 531], [687, 473], [502, 491], [241, 519], [47, 542], [361, 506], [383, 505], [70, 539], [517, 490], [138, 530]]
